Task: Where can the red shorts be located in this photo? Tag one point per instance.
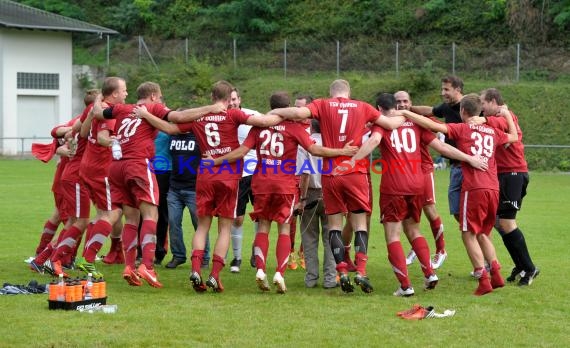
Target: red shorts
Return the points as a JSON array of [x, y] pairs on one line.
[[132, 182], [75, 200], [276, 207], [99, 191], [346, 193], [478, 210], [59, 201], [396, 208], [217, 198], [429, 189]]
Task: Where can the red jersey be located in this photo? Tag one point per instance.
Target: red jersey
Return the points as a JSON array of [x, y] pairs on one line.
[[96, 156], [427, 161], [276, 149], [135, 135], [56, 186], [217, 136], [510, 158], [478, 140], [342, 120], [71, 171], [402, 172]]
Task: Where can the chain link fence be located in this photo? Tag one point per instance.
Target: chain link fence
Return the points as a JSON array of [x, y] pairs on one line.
[[301, 55]]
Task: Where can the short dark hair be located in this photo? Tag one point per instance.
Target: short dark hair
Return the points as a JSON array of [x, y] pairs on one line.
[[307, 97], [471, 103], [279, 100], [455, 81], [492, 93], [222, 90], [90, 96], [386, 101], [315, 126], [146, 89], [110, 85]]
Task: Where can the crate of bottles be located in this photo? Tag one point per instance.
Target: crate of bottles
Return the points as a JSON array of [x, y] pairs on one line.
[[77, 294]]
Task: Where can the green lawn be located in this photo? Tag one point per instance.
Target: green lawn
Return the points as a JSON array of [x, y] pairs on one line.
[[536, 316]]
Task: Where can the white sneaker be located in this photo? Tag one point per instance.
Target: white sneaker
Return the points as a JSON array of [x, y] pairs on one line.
[[280, 282], [438, 260], [261, 279], [430, 282], [29, 260], [404, 292], [411, 257]]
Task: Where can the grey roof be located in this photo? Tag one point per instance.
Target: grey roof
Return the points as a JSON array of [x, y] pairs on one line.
[[15, 15]]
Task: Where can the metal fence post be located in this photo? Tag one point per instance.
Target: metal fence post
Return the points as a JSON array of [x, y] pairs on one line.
[[186, 50], [453, 58], [518, 69], [397, 59], [337, 58], [235, 54], [285, 58], [108, 50], [140, 50]]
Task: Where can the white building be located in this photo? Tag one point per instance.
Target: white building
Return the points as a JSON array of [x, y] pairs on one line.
[[35, 72]]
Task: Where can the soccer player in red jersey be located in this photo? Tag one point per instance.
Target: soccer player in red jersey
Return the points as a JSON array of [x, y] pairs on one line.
[[216, 186], [401, 190], [480, 190], [343, 120], [513, 180], [94, 174], [46, 247], [404, 102], [76, 197], [274, 184], [133, 185]]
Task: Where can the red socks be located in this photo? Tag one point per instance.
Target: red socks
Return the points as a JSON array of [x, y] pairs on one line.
[[99, 233], [496, 280], [196, 258], [421, 248], [47, 236], [361, 260], [130, 233], [67, 244], [484, 283], [260, 247], [437, 231], [217, 265], [282, 252], [398, 261], [44, 255], [148, 242]]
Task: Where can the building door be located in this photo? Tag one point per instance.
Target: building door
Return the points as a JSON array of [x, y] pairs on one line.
[[37, 115]]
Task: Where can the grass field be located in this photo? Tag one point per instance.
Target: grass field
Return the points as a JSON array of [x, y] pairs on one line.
[[536, 316]]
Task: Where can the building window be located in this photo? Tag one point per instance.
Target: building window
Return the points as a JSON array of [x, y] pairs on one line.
[[38, 81]]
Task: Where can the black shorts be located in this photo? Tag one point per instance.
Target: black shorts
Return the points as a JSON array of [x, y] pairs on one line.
[[512, 187], [245, 195]]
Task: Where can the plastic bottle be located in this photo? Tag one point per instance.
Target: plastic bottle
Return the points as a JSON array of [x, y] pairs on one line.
[[52, 290], [60, 289], [96, 289], [108, 309], [103, 288], [69, 292], [88, 289], [78, 288], [116, 149]]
